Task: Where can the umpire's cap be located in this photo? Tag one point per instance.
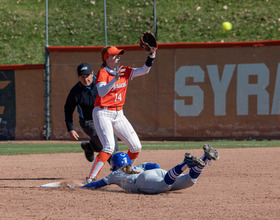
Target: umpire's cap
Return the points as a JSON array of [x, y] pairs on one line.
[[84, 68]]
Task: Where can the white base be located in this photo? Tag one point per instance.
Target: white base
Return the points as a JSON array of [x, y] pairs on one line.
[[51, 185]]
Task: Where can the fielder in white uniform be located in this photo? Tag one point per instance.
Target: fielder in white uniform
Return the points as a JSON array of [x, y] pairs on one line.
[[148, 178], [108, 116]]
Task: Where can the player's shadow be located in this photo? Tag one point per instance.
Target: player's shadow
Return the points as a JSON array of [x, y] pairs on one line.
[[121, 191], [24, 179], [32, 178]]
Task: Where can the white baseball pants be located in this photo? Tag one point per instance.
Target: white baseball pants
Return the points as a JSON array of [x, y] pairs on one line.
[[108, 122]]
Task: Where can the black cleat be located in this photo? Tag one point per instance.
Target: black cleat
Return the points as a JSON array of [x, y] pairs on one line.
[[193, 161], [88, 151], [210, 153]]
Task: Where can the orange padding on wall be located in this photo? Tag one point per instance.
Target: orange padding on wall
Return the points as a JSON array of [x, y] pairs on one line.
[[22, 67], [169, 46]]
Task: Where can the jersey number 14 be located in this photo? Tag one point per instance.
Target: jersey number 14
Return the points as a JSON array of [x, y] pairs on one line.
[[118, 97]]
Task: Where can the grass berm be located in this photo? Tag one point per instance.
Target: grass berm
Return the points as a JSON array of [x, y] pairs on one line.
[[81, 23]]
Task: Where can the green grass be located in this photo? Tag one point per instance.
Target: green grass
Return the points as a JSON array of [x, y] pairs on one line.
[[81, 23], [51, 148]]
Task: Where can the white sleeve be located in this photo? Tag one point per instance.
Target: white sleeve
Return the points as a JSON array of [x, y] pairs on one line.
[[140, 71], [103, 88], [144, 69]]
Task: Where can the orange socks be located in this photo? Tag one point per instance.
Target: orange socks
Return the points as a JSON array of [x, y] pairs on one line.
[[133, 156], [103, 156], [99, 163]]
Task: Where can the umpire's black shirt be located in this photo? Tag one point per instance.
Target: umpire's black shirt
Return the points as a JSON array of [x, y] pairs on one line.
[[83, 97]]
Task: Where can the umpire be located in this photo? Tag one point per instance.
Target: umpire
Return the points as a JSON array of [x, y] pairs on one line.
[[83, 95]]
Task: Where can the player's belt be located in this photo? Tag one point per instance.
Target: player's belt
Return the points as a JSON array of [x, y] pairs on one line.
[[118, 108]]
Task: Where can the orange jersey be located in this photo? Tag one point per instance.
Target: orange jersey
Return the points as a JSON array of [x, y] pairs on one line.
[[116, 96]]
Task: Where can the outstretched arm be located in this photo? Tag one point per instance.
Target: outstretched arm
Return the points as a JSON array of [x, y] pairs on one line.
[[146, 68], [95, 185]]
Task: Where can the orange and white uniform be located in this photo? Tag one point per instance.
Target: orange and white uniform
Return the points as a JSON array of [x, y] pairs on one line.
[[108, 115], [117, 93]]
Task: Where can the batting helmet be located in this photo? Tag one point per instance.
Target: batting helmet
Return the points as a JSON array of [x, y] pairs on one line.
[[119, 159]]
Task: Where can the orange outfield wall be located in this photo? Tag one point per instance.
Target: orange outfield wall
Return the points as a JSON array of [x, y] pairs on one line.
[[193, 91]]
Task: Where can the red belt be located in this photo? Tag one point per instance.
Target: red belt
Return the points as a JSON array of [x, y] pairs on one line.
[[118, 108]]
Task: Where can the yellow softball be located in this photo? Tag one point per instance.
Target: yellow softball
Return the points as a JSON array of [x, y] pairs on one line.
[[226, 26]]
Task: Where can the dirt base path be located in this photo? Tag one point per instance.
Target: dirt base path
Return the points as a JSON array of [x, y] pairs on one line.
[[243, 184]]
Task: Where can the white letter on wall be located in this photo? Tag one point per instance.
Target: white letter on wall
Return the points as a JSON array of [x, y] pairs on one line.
[[220, 87], [244, 89], [184, 91], [275, 110]]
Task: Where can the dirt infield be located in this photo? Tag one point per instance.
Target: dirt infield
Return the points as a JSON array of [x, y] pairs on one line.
[[243, 184]]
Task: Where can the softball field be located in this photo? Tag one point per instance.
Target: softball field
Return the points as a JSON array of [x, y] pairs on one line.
[[243, 184]]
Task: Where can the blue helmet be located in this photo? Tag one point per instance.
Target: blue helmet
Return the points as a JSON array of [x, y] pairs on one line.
[[119, 159]]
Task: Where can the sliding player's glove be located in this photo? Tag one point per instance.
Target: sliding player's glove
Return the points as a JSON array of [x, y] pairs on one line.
[[149, 42]]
